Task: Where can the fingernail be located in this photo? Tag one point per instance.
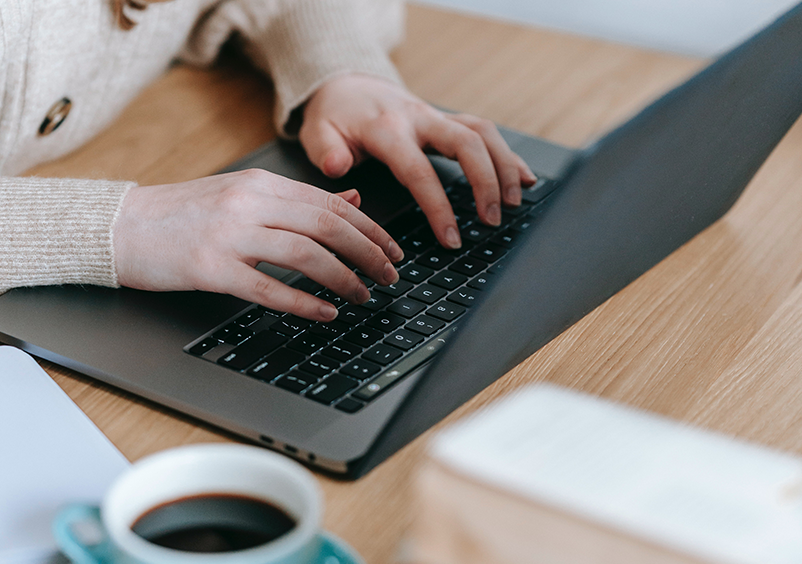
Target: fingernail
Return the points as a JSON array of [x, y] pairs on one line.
[[328, 312], [390, 274], [395, 252], [362, 294], [530, 176], [453, 238], [494, 214], [513, 196]]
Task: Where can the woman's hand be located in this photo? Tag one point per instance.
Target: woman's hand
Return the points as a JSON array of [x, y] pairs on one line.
[[353, 116], [209, 234]]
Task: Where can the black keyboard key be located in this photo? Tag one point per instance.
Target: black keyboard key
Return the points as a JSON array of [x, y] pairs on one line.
[[365, 280], [377, 301], [406, 307], [419, 241], [352, 314], [519, 210], [498, 267], [464, 296], [296, 381], [506, 238], [409, 256], [307, 343], [263, 323], [468, 266], [481, 282], [329, 330], [272, 312], [332, 298], [404, 339], [523, 224], [446, 311], [204, 346], [463, 221], [307, 285], [385, 322], [255, 348], [476, 232], [399, 288], [383, 354], [291, 325], [448, 280], [436, 259], [349, 405], [360, 369], [276, 364], [319, 366], [467, 206], [461, 186], [488, 252], [424, 325], [405, 223], [415, 273], [427, 293], [363, 336], [331, 389], [233, 334], [342, 351], [250, 317]]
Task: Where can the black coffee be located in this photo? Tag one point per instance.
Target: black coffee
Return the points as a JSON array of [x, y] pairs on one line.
[[213, 523]]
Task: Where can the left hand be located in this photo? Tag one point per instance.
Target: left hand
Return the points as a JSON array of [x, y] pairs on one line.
[[353, 116]]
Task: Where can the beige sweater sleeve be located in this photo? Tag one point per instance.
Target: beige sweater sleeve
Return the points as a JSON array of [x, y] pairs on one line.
[[301, 44], [57, 231]]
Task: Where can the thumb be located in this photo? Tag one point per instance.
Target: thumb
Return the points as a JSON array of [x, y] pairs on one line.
[[326, 148]]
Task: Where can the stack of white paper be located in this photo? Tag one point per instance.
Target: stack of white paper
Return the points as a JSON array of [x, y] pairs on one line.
[[644, 478], [50, 454]]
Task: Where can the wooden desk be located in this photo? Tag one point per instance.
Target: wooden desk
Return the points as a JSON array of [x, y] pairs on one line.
[[712, 335]]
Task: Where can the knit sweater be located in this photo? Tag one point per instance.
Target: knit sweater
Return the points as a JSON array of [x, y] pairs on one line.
[[56, 231]]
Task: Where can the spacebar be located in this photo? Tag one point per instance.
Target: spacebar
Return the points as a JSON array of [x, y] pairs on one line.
[[383, 381]]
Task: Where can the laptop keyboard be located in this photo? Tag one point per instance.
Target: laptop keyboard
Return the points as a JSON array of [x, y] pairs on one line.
[[348, 362]]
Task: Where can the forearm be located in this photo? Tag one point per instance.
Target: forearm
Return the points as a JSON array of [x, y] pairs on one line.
[[58, 231]]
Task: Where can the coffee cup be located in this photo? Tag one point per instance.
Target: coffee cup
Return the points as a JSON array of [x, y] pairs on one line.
[[204, 504]]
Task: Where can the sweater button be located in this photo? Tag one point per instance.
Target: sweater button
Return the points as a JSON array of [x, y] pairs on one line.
[[55, 116]]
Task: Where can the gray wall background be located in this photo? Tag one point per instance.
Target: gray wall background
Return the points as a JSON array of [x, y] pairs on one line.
[[690, 27]]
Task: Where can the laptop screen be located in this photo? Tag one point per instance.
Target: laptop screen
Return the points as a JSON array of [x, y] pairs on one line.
[[626, 203]]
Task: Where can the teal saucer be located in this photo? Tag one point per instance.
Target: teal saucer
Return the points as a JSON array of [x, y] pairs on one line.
[[337, 551]]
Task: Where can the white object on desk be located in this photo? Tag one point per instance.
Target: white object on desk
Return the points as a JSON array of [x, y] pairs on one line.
[[50, 454], [581, 479]]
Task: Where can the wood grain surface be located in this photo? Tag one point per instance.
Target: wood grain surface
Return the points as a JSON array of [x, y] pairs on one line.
[[712, 335]]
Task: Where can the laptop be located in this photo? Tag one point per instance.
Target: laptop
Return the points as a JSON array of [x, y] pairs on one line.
[[345, 396]]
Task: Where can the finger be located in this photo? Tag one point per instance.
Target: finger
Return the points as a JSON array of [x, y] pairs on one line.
[[457, 141], [412, 169], [297, 252], [326, 148], [305, 193], [352, 197], [329, 229], [251, 285], [504, 159], [528, 178]]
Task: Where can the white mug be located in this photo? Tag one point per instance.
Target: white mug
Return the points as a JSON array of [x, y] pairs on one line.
[[197, 470]]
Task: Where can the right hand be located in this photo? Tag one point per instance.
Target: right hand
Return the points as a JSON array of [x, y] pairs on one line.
[[209, 234]]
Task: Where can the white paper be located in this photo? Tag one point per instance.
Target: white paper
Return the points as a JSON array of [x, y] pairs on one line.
[[696, 492], [51, 454]]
